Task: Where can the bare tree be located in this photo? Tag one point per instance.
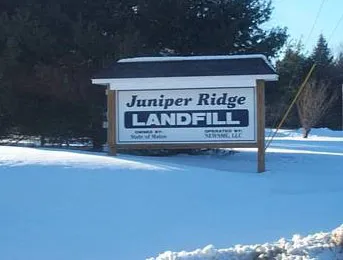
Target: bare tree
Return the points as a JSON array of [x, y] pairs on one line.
[[314, 102]]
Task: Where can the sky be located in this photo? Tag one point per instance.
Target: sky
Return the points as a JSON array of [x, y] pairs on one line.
[[300, 15]]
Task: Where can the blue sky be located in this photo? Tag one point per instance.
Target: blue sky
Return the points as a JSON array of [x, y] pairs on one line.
[[299, 16]]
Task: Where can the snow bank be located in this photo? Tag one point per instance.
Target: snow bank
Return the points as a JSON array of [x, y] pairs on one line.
[[320, 246], [20, 156], [297, 134]]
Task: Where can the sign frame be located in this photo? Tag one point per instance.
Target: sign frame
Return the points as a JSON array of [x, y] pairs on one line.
[[252, 114]]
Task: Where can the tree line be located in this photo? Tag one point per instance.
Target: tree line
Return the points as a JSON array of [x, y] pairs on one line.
[[49, 51], [320, 103]]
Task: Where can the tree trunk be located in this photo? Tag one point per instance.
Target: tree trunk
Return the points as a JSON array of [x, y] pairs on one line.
[[42, 141], [306, 132]]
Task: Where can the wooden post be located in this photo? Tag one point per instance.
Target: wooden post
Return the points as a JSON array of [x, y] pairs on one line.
[[261, 167], [111, 119]]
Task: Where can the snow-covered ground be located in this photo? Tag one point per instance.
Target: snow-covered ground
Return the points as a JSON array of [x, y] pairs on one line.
[[324, 246], [70, 205]]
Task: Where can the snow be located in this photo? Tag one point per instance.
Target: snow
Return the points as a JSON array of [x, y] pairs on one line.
[[60, 204], [184, 58], [320, 246], [315, 134], [16, 156]]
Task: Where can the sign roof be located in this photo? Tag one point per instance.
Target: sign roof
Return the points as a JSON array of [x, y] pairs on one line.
[[191, 66]]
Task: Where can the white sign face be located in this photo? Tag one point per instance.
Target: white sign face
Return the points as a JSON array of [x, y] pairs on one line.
[[176, 116]]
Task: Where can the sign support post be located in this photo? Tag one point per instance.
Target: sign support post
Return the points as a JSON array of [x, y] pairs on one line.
[[260, 84], [111, 119]]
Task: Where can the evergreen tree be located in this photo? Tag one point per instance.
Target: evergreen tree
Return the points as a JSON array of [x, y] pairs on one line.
[[322, 56], [208, 27], [54, 57], [326, 70], [49, 50], [321, 53], [292, 69]]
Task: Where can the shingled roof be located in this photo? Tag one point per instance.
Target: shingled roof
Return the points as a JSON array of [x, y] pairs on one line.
[[193, 66]]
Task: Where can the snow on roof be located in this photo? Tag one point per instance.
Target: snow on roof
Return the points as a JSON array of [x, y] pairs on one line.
[[195, 58], [184, 58]]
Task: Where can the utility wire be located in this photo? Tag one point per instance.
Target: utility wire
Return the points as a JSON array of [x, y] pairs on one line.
[[315, 21], [335, 29]]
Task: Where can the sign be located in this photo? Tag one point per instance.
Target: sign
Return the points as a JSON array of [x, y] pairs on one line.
[[215, 115]]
